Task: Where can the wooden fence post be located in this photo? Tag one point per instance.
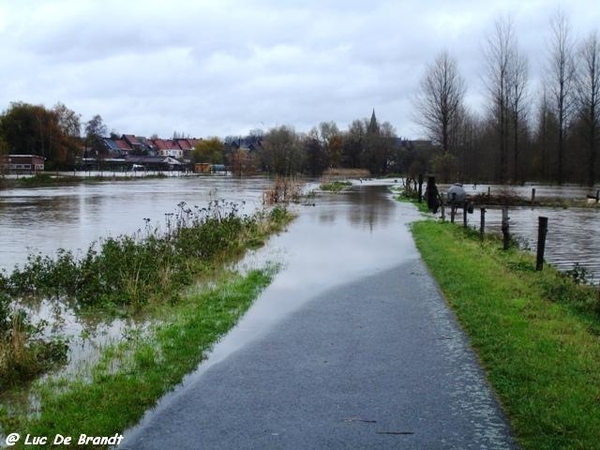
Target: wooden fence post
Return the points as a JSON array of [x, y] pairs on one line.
[[532, 196], [541, 243], [482, 224], [420, 187], [505, 228]]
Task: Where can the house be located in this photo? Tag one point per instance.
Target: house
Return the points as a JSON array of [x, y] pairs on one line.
[[22, 163], [167, 147], [133, 142], [123, 146], [117, 147], [187, 146]]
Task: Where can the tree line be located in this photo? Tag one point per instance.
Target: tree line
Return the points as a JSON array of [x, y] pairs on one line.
[[55, 134], [515, 139], [366, 144]]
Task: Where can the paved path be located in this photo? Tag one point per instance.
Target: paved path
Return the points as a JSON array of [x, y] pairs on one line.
[[351, 347], [373, 364]]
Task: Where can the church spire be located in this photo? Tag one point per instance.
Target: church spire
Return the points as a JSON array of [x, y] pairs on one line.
[[373, 126]]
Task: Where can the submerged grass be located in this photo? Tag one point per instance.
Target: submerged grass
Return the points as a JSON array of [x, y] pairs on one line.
[[335, 186], [536, 333], [136, 372]]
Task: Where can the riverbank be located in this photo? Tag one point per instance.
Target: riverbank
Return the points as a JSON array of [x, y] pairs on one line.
[[536, 334]]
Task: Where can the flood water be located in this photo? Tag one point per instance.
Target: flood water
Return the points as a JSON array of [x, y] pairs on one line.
[[42, 220], [573, 233], [335, 239]]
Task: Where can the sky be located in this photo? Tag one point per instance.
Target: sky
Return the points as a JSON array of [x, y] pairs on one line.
[[225, 67]]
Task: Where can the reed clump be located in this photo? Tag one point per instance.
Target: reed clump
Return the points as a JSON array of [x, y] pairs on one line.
[[284, 190], [335, 186]]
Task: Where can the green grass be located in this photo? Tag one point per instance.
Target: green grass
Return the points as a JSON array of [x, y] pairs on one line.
[[335, 186], [536, 333], [421, 205], [136, 372]]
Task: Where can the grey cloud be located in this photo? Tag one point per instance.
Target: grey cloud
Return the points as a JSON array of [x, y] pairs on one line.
[[221, 67]]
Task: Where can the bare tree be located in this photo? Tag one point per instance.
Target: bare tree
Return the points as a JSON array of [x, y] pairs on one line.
[[498, 60], [518, 106], [331, 138], [588, 100], [354, 142], [506, 82], [561, 83], [95, 129], [545, 134], [439, 104]]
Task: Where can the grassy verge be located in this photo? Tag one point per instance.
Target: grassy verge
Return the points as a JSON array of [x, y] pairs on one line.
[[536, 333], [401, 196], [136, 372]]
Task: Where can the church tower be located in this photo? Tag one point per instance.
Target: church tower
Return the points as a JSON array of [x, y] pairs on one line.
[[373, 127]]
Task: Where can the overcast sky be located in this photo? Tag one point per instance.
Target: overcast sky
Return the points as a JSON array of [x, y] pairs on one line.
[[224, 67]]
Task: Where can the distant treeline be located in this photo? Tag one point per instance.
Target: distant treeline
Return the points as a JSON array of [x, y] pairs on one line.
[[56, 135]]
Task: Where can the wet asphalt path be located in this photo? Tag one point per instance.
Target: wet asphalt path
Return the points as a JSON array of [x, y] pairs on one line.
[[374, 363]]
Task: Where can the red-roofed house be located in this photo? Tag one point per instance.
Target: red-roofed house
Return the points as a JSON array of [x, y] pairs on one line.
[[123, 146], [188, 145], [21, 163], [132, 141], [167, 147]]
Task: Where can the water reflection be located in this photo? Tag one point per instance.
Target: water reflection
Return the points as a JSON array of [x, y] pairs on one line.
[[370, 207]]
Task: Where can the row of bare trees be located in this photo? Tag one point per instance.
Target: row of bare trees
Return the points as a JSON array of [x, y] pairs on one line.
[[509, 142]]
